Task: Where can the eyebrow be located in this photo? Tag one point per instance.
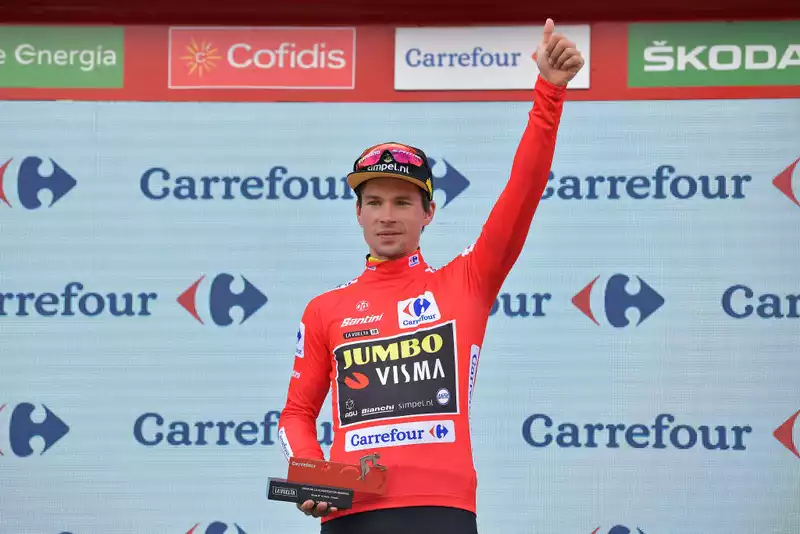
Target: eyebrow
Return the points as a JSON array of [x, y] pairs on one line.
[[378, 197]]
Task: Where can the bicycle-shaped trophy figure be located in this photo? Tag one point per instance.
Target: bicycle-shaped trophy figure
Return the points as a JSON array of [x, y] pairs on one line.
[[365, 467]]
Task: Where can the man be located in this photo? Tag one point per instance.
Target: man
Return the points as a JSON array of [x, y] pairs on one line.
[[400, 344]]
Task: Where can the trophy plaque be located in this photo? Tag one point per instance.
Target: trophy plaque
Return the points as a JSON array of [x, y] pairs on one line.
[[331, 482]]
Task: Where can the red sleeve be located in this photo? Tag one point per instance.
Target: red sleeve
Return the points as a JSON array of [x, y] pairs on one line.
[[308, 387], [489, 260]]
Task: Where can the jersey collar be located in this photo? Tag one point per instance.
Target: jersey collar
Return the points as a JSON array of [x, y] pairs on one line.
[[410, 263]]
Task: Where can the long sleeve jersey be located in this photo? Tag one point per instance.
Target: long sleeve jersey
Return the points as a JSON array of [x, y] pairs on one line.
[[399, 346]]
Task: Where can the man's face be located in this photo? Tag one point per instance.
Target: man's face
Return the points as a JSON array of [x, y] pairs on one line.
[[392, 216]]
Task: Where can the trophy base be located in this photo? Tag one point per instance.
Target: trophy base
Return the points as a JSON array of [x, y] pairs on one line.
[[282, 490]]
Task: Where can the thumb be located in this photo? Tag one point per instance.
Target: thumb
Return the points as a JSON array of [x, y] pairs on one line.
[[547, 33]]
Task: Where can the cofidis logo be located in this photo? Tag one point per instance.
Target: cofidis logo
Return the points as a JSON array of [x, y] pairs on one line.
[[262, 58], [24, 182]]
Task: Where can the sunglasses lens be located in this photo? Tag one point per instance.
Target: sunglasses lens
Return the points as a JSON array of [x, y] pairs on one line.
[[400, 154]]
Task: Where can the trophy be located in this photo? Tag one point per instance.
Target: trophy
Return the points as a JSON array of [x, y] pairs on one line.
[[331, 482]]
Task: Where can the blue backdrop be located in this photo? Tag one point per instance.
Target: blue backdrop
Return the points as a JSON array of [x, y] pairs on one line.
[[658, 293]]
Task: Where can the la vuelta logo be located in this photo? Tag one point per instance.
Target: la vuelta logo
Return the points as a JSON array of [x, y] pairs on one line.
[[783, 182]]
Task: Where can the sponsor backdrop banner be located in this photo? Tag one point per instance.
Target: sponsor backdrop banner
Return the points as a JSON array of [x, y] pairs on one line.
[[640, 370], [262, 58], [494, 57], [381, 63], [714, 54], [61, 56]]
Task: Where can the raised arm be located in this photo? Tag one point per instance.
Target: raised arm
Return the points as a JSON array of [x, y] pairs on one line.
[[308, 387], [489, 260]]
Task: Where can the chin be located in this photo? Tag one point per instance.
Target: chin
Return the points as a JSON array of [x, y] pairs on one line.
[[391, 252]]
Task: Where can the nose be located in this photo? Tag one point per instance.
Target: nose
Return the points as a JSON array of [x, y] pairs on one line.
[[386, 214]]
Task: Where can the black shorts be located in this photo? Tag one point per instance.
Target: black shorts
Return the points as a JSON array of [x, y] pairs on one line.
[[413, 520]]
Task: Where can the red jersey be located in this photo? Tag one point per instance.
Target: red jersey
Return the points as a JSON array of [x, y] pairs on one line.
[[399, 346]]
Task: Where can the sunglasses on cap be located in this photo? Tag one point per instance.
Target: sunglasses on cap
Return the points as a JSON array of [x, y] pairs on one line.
[[393, 159], [401, 153]]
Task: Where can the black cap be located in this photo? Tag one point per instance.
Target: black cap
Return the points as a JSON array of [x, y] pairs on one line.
[[386, 166]]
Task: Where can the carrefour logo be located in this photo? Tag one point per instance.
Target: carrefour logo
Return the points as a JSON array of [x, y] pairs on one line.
[[222, 298], [213, 299], [170, 184], [788, 434], [24, 429], [29, 178], [217, 527], [76, 300], [783, 182], [613, 299], [618, 529], [542, 430], [741, 301], [154, 429], [665, 182]]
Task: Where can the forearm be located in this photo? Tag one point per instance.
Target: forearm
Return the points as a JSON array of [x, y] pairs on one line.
[[509, 222], [297, 431]]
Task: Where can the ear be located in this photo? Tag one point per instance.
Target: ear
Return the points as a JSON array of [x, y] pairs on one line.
[[358, 214], [429, 215]]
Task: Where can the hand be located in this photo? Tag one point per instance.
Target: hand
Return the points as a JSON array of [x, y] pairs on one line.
[[556, 56], [321, 509]]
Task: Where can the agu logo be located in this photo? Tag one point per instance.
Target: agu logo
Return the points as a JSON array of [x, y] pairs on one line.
[[785, 434], [23, 427], [784, 182], [31, 179], [618, 529], [222, 299], [217, 527], [617, 300]]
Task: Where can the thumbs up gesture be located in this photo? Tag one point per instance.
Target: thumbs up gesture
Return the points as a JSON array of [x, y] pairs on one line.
[[557, 57]]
